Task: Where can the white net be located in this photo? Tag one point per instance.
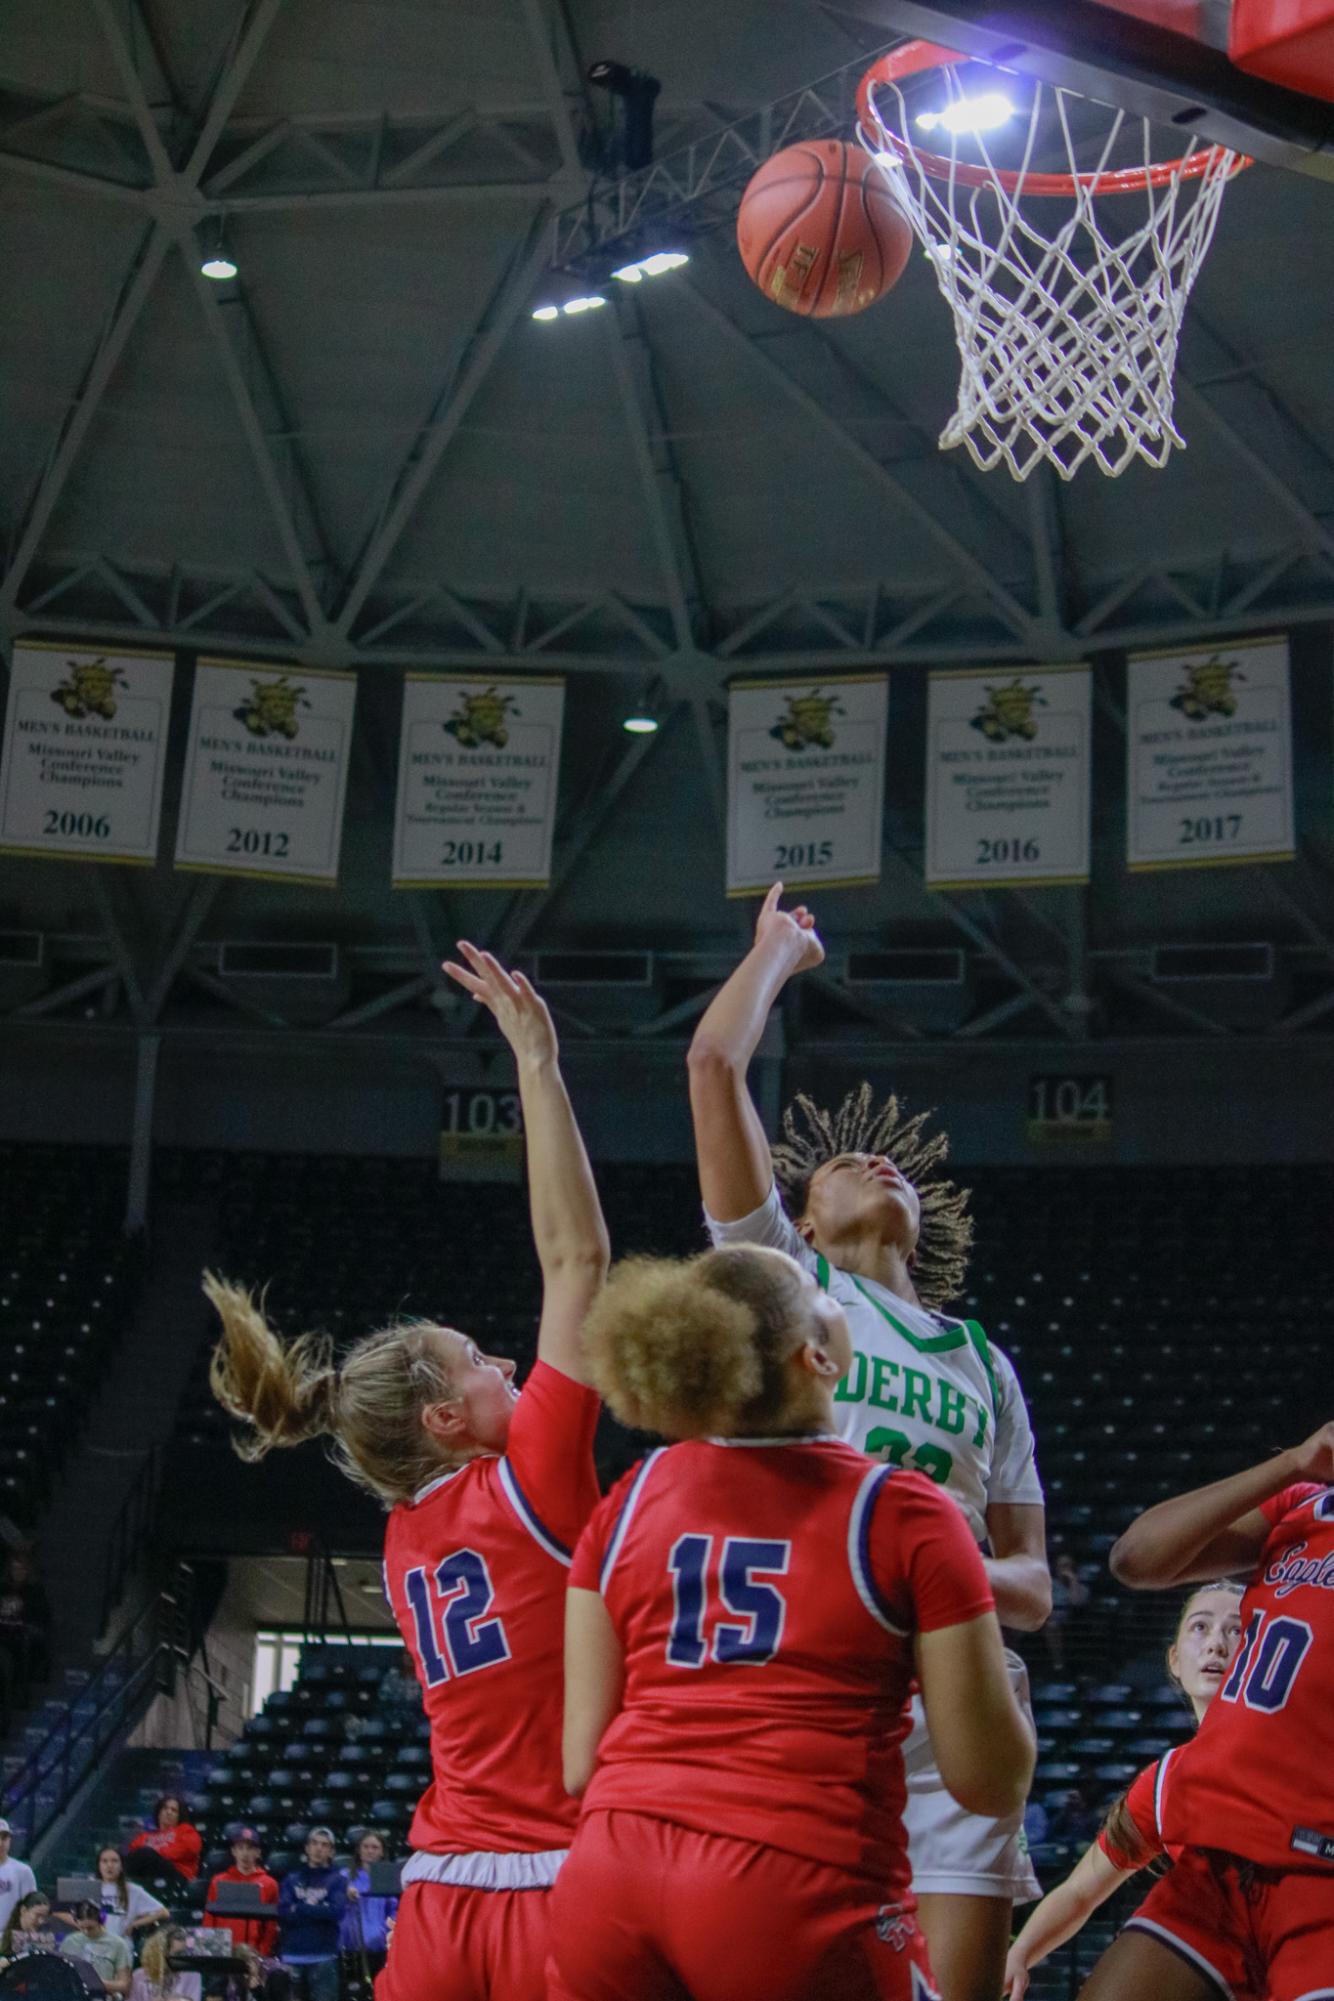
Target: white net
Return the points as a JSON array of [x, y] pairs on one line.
[[1067, 305]]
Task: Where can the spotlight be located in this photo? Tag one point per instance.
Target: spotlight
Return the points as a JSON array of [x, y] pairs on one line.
[[651, 267], [639, 725], [546, 312], [216, 262], [584, 303], [969, 114]]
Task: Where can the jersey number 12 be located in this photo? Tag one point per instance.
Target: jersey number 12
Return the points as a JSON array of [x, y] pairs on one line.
[[451, 1611]]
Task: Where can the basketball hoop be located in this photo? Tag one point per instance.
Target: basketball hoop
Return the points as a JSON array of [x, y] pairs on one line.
[[1067, 334]]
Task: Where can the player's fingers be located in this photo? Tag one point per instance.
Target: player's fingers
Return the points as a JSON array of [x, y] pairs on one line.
[[497, 974], [468, 981], [772, 900]]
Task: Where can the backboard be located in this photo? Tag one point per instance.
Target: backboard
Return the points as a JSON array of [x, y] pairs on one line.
[[1165, 59]]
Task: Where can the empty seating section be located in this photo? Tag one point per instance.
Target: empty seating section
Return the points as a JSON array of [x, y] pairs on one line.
[[1167, 1325], [67, 1286]]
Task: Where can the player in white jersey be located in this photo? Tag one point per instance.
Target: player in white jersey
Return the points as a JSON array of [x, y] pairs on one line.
[[925, 1391]]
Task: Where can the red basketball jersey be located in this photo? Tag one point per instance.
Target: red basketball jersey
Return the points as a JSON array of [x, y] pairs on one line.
[[475, 1571], [1144, 1798], [1257, 1779], [766, 1592]]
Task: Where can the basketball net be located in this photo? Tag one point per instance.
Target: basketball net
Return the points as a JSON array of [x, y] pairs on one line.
[[1068, 333]]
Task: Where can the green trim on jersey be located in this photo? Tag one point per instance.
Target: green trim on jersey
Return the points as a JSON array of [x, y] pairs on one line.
[[932, 1344], [979, 1341]]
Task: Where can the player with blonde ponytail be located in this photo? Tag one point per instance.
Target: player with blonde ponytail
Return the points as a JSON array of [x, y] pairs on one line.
[[488, 1490], [747, 1610]]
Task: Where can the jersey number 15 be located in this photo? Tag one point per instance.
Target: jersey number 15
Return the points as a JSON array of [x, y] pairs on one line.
[[758, 1607]]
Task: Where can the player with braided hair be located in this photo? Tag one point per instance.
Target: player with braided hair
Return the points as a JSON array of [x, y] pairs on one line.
[[858, 1197]]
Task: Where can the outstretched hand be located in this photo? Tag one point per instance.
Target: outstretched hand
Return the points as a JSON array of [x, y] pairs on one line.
[[520, 1011], [795, 928], [1315, 1456]]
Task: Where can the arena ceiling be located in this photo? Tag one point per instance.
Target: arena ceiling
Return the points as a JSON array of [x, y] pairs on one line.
[[365, 452]]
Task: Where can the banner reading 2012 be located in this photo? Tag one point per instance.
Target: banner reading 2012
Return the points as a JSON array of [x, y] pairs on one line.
[[1007, 777], [478, 765], [266, 771], [85, 737], [1209, 756], [805, 782]]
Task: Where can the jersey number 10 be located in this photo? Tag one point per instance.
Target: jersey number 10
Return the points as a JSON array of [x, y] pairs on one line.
[[450, 1610], [759, 1609], [1267, 1662]]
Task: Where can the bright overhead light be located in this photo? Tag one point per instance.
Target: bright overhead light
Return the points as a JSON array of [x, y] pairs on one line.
[[969, 114], [218, 266], [639, 725], [546, 312], [651, 267], [586, 305]]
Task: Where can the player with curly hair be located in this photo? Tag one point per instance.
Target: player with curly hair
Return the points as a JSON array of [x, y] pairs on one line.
[[858, 1197]]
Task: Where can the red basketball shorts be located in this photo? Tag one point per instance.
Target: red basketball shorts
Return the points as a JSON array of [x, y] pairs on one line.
[[648, 1910], [1249, 1931], [453, 1944]]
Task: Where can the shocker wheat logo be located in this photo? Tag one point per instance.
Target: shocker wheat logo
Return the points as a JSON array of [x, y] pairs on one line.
[[481, 719], [808, 723], [270, 708], [1008, 711], [1208, 689], [91, 689]]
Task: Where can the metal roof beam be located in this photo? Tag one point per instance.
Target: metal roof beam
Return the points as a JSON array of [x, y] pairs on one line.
[[646, 473], [132, 83], [260, 18]]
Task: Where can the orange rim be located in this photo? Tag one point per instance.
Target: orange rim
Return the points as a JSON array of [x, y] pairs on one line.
[[914, 57]]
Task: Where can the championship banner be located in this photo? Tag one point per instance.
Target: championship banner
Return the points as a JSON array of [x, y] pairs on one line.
[[266, 771], [806, 782], [1209, 756], [1007, 777], [478, 766], [85, 736]]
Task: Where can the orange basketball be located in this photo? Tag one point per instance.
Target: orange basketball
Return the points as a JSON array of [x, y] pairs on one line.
[[819, 231]]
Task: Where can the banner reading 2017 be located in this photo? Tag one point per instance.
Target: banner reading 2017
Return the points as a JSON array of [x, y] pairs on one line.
[[266, 771], [85, 737], [1007, 777], [478, 764], [805, 782], [1209, 756]]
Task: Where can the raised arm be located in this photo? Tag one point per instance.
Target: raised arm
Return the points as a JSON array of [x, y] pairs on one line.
[[735, 1174], [569, 1233], [1218, 1530]]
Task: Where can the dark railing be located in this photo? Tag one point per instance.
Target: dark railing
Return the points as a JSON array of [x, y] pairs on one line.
[[131, 1533], [144, 1660]]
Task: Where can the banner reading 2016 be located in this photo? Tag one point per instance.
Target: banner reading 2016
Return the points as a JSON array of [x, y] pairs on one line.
[[1007, 777], [266, 771], [85, 735], [1209, 756], [478, 765], [805, 782]]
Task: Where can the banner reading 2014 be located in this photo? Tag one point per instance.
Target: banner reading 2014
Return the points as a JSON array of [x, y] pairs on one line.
[[85, 734], [1007, 777], [1209, 756], [266, 771], [478, 765], [805, 782]]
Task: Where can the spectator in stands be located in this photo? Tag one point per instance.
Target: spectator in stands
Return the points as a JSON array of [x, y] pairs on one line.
[[1069, 1606], [126, 1907], [363, 1931], [28, 1929], [171, 1838], [1074, 1821], [16, 1878], [311, 1903], [154, 1979], [110, 1957], [260, 1933], [25, 1621], [398, 1688]]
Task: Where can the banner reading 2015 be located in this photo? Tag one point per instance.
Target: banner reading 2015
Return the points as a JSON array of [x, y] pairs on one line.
[[1209, 756], [805, 782], [266, 771], [478, 765], [85, 736], [1007, 777]]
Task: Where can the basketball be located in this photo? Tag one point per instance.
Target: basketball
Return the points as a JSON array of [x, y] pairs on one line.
[[819, 231]]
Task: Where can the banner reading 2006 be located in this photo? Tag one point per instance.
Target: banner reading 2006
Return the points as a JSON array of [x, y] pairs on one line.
[[1209, 756], [805, 782], [266, 771], [478, 765], [85, 734], [1007, 777]]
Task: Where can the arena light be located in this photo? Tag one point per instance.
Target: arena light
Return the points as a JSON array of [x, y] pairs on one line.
[[588, 304], [639, 724], [216, 261], [969, 114], [546, 312], [651, 267]]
